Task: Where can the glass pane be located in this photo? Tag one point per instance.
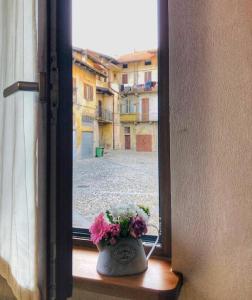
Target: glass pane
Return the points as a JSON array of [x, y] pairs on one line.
[[115, 127]]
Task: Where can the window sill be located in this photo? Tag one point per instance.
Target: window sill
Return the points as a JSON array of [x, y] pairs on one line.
[[157, 283]]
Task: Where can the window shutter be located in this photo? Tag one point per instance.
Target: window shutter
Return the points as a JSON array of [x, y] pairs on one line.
[[147, 76], [85, 91], [92, 93], [124, 78]]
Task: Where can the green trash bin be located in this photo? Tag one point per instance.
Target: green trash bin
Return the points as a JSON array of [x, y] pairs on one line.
[[99, 151]]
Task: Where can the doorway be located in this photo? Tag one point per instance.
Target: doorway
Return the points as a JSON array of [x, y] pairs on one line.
[[127, 142]]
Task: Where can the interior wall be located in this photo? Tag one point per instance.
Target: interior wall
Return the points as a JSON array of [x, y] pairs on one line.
[[211, 147], [5, 291]]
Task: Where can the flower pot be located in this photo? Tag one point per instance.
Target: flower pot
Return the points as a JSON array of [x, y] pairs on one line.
[[126, 257]]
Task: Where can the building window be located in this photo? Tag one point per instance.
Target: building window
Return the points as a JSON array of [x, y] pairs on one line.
[[147, 62], [128, 106], [127, 130], [147, 76], [88, 92], [87, 120], [125, 66], [124, 78]]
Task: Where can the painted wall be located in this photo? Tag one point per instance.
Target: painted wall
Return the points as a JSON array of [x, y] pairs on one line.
[[211, 147], [136, 72], [84, 107]]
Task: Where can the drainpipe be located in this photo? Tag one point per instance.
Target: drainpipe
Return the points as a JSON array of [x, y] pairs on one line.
[[113, 124]]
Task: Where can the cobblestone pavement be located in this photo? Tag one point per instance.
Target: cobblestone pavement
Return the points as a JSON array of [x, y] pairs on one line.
[[118, 177]]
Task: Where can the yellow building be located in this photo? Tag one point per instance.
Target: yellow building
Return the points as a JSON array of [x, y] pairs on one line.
[[139, 101], [96, 114], [107, 95], [85, 126]]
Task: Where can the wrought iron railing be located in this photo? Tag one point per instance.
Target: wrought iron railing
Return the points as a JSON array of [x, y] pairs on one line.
[[104, 115]]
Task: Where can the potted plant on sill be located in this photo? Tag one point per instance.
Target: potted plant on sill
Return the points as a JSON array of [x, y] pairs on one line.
[[117, 234]]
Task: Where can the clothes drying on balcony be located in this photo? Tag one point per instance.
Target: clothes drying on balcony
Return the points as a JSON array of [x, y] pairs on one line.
[[148, 85], [125, 88]]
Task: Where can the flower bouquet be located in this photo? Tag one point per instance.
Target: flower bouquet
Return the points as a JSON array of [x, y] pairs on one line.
[[117, 234]]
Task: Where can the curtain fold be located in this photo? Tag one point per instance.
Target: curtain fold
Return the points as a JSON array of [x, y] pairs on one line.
[[18, 161]]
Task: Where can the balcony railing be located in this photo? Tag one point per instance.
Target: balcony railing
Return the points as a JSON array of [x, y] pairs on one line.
[[104, 115]]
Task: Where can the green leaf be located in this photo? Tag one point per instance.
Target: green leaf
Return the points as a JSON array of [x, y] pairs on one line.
[[145, 209], [109, 216]]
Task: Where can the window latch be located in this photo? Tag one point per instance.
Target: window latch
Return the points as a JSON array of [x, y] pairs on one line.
[[21, 86], [27, 86]]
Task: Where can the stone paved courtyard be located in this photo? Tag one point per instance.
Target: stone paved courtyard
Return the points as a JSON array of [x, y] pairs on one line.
[[118, 177]]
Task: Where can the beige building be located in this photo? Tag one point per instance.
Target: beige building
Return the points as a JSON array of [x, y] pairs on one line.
[[139, 101]]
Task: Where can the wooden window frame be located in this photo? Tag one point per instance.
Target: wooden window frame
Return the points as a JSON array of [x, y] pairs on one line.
[[147, 74], [88, 92], [80, 236], [125, 75]]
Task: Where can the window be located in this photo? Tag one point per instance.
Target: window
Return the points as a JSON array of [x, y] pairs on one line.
[[125, 66], [88, 92], [147, 76], [124, 78], [87, 120], [142, 174], [128, 106], [147, 62], [126, 130]]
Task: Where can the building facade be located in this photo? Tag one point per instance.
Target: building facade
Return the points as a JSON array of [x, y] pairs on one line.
[[139, 101], [96, 114]]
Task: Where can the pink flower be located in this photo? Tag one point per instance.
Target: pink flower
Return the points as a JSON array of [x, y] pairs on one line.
[[114, 230], [99, 229]]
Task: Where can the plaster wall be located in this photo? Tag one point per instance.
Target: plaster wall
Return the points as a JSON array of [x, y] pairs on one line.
[[136, 72], [211, 147]]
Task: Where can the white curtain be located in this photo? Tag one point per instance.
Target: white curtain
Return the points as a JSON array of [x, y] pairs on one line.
[[18, 41]]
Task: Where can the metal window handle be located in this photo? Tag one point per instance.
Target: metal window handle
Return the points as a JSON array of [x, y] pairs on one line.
[[21, 86]]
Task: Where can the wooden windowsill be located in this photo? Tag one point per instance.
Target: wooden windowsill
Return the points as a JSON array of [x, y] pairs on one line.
[[158, 282]]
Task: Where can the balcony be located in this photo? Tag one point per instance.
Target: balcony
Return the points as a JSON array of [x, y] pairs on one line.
[[128, 117], [149, 87], [104, 116]]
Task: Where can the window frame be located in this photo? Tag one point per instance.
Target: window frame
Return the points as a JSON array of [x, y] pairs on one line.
[[125, 75], [148, 62], [80, 236], [88, 92], [147, 76]]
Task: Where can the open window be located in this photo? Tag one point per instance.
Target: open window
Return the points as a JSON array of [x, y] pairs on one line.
[[129, 113]]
